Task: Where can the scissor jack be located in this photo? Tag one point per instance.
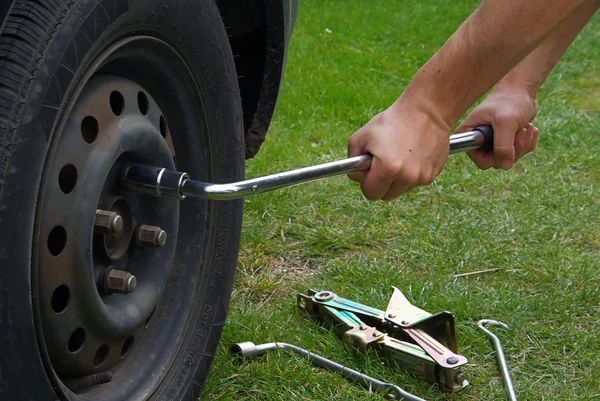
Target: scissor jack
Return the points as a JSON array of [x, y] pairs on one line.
[[402, 335]]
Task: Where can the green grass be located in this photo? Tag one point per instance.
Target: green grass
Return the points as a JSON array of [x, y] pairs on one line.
[[539, 222]]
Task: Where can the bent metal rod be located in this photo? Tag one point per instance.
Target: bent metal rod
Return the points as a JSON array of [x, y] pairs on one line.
[[248, 350], [158, 181]]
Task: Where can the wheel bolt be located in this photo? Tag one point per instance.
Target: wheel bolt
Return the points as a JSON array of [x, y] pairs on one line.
[[151, 236], [120, 282], [109, 222]]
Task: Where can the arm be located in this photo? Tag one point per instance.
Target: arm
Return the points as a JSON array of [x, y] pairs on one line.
[[409, 140], [533, 70], [511, 106], [497, 36]]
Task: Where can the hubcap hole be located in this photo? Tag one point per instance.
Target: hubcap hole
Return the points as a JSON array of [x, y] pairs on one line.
[[101, 355], [57, 240], [60, 298], [76, 340], [142, 103], [89, 129], [117, 103], [163, 127], [67, 178], [128, 343]]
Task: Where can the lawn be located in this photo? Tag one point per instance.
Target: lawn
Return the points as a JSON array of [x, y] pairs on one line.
[[539, 223]]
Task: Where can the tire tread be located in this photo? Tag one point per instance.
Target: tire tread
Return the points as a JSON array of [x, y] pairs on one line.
[[29, 28]]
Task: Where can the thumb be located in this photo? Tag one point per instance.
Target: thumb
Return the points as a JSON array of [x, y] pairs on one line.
[[357, 143], [504, 143], [479, 116], [356, 147]]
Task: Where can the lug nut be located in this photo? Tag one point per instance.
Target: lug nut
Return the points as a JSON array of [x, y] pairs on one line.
[[120, 282], [151, 236], [109, 222]]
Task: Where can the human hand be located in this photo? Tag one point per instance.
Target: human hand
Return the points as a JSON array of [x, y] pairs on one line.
[[409, 149], [510, 111]]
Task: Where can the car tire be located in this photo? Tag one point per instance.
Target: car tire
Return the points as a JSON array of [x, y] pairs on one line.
[[66, 331]]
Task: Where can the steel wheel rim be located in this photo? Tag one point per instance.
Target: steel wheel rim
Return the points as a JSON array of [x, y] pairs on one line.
[[107, 63]]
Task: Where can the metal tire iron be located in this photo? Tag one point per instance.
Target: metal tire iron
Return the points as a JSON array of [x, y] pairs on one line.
[[160, 182], [248, 350], [510, 389], [403, 335], [433, 357]]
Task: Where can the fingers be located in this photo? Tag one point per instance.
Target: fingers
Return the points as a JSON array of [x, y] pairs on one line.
[[525, 141], [504, 145], [483, 160], [536, 135], [522, 139], [510, 110], [378, 180], [389, 180], [409, 182], [356, 145], [388, 174], [358, 176], [397, 190], [402, 150], [401, 186]]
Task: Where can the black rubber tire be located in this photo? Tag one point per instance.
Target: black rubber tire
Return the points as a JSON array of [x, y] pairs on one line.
[[42, 58]]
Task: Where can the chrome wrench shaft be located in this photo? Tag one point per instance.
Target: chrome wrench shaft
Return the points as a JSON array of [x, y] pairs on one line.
[[158, 181]]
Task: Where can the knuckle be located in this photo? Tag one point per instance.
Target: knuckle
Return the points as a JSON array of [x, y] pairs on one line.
[[391, 169], [429, 179], [367, 192], [354, 140], [410, 175], [503, 150], [506, 115]]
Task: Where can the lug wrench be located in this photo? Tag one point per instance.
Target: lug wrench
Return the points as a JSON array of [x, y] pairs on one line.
[[158, 181], [499, 355], [248, 350]]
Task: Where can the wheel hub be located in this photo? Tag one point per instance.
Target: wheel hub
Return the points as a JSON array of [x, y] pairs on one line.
[[106, 254]]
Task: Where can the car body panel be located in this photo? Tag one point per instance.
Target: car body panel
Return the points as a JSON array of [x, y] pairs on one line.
[[260, 32]]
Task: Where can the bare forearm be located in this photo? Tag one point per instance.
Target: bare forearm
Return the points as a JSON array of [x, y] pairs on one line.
[[496, 37], [533, 70]]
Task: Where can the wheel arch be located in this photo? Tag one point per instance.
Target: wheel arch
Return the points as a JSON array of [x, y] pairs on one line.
[[259, 33]]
